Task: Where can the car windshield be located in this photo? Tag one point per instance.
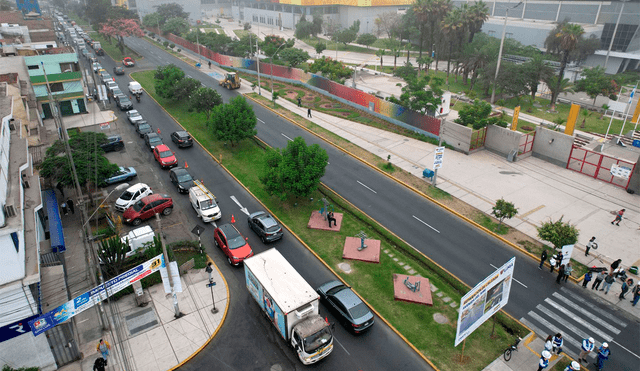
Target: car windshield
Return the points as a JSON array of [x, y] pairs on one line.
[[312, 342], [359, 311], [138, 206], [273, 228], [144, 127], [334, 290], [207, 204], [124, 100], [155, 140], [182, 178], [126, 196], [165, 154], [237, 242]]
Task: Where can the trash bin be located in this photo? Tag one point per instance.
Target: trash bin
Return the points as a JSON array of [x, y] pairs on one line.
[[427, 173], [633, 270]]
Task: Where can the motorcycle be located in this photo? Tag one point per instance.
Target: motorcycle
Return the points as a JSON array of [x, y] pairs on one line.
[[138, 97]]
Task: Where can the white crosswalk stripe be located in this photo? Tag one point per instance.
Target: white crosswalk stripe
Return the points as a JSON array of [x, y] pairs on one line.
[[575, 318]]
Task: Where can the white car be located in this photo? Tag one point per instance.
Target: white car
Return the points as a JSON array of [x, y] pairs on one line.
[[134, 116], [111, 85], [96, 66], [132, 195]]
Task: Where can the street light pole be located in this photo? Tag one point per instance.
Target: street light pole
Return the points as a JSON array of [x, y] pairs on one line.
[[615, 29], [504, 32], [258, 64], [176, 308]]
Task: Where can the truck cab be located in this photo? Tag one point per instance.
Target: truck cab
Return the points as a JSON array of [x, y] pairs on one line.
[[204, 202]]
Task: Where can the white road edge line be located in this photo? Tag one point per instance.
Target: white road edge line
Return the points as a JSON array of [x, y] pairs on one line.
[[260, 121], [618, 344], [362, 184], [422, 221], [286, 137], [525, 286], [341, 346]]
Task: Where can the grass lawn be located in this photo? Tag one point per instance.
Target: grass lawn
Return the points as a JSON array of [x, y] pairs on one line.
[[241, 33], [341, 47], [372, 281], [112, 48]]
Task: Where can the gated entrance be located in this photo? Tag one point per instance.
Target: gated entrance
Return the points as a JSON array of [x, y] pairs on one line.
[[477, 138], [63, 346], [598, 165], [526, 143]]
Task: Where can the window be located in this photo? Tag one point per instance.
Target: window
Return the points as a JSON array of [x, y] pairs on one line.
[[56, 87], [33, 67], [509, 35], [491, 33]]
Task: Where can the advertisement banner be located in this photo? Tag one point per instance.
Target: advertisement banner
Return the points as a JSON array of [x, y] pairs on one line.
[[438, 156], [92, 297], [488, 297], [567, 250]]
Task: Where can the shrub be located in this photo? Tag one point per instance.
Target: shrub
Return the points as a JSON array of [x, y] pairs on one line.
[[172, 45], [166, 44], [179, 50]]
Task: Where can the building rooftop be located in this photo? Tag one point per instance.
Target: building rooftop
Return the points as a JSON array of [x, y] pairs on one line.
[[39, 29]]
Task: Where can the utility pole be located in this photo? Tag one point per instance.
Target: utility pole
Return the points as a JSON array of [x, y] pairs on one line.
[[435, 170], [504, 33], [198, 43], [176, 308], [258, 64]]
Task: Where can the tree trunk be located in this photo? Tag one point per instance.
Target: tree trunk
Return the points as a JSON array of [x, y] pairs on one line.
[[556, 92]]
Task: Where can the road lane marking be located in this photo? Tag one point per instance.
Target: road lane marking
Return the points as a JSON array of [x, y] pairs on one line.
[[345, 349], [291, 140], [525, 286], [260, 121], [618, 344], [423, 222], [586, 313], [568, 339], [576, 318], [362, 184], [603, 313]]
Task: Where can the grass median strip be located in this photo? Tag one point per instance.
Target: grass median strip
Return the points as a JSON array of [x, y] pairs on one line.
[[372, 281]]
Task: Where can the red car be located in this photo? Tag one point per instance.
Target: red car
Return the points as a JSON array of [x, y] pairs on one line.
[[148, 207], [128, 62], [165, 156], [232, 244]]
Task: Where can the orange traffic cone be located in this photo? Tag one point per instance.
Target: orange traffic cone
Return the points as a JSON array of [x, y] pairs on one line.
[[186, 166], [326, 319], [233, 220], [158, 130]]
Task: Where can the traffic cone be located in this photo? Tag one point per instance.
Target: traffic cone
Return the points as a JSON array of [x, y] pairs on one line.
[[186, 166], [233, 220], [326, 319], [158, 130]]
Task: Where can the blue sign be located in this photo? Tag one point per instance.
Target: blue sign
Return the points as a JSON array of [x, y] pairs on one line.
[[17, 328], [211, 284]]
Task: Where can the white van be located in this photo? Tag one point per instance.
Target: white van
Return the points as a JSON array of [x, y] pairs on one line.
[[135, 88], [138, 239], [204, 202]]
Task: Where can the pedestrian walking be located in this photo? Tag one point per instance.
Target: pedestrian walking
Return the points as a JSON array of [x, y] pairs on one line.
[[209, 64], [591, 245], [64, 208], [104, 347], [557, 343], [544, 360], [587, 279], [603, 355], [598, 280], [567, 272], [618, 218], [636, 295], [608, 280], [615, 265], [560, 274], [552, 263], [70, 205], [309, 113], [574, 366], [625, 288], [99, 364], [587, 347], [209, 270], [60, 188], [299, 102], [543, 258]]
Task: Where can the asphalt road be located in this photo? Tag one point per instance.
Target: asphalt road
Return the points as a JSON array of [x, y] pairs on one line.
[[460, 248], [246, 340]]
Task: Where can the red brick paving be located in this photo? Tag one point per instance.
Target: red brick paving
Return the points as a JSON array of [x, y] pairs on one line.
[[401, 291], [370, 254], [317, 222]]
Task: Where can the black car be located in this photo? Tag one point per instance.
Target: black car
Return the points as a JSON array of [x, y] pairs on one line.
[[123, 102], [182, 139], [152, 140], [142, 128], [181, 178], [347, 306], [265, 226], [118, 70], [114, 143]]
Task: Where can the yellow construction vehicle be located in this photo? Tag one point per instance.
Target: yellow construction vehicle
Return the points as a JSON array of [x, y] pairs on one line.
[[231, 81]]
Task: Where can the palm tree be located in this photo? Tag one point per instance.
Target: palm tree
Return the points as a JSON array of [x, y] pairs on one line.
[[424, 61], [567, 40], [380, 53], [563, 86], [477, 14], [537, 70], [454, 27]]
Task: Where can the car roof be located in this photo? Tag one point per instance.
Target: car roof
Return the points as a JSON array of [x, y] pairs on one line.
[[142, 123], [137, 186], [154, 197], [133, 112], [179, 171], [348, 298], [267, 220], [152, 135], [182, 133], [163, 147], [113, 138], [229, 230]]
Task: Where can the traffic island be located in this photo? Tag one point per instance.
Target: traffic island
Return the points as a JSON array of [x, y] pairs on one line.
[[353, 250], [412, 289], [316, 221]]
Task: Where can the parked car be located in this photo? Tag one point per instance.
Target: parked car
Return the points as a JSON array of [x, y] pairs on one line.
[[148, 207], [182, 139], [165, 156], [118, 70], [96, 66], [265, 226], [90, 57], [111, 86], [128, 62], [123, 102], [142, 128], [114, 143], [123, 174], [348, 307], [133, 116], [152, 140], [232, 244], [181, 178], [106, 77], [132, 195]]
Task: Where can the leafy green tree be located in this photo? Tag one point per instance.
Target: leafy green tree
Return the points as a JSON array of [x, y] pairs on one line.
[[380, 53], [345, 36], [295, 170], [166, 79], [294, 56], [304, 28], [406, 72], [474, 114], [119, 12], [169, 11], [185, 88], [6, 5], [333, 70], [504, 210], [317, 23], [320, 47], [204, 99], [151, 20], [367, 39], [234, 121], [275, 95], [558, 233], [273, 44], [91, 165], [176, 26], [424, 61], [559, 87], [219, 43], [595, 82], [422, 94], [536, 70]]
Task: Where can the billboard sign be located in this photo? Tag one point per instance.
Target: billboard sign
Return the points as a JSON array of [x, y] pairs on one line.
[[92, 297], [481, 302]]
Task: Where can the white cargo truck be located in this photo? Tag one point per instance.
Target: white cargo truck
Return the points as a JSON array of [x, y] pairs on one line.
[[290, 303], [204, 202]]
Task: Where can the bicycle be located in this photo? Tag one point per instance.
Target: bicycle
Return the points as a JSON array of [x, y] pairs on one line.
[[512, 348]]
